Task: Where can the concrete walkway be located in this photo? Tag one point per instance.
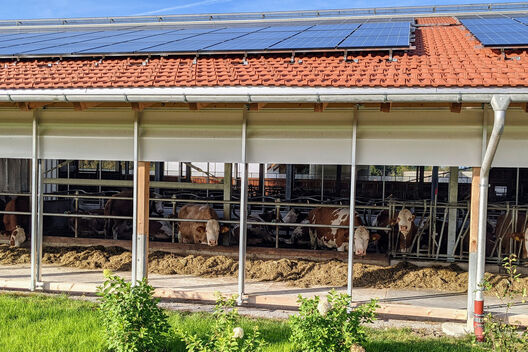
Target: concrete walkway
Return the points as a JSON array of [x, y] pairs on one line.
[[395, 303]]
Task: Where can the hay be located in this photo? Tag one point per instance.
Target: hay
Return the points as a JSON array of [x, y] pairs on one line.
[[299, 273]]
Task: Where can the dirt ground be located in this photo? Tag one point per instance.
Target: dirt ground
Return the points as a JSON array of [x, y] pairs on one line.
[[299, 273]]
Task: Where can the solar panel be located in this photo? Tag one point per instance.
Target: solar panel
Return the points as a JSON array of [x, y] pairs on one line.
[[497, 31], [271, 36], [57, 45], [379, 35], [253, 41], [522, 19], [313, 39]]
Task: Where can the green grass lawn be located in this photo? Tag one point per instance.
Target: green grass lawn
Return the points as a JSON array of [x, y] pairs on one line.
[[55, 323]]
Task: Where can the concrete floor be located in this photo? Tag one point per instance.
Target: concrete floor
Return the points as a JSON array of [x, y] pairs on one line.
[[396, 303]]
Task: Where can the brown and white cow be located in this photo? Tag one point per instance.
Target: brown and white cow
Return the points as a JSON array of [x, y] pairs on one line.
[[407, 229], [123, 207], [335, 237], [504, 228], [199, 232], [88, 226], [16, 226]]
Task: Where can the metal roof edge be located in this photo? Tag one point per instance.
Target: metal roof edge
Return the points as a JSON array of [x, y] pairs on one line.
[[264, 94]]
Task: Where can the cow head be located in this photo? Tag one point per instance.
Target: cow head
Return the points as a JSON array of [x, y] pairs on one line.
[[361, 240], [212, 231], [405, 221], [291, 216], [18, 236], [157, 204]]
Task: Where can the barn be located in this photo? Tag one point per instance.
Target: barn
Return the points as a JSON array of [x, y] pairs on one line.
[[421, 86]]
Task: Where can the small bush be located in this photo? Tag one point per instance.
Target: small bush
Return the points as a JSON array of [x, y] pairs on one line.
[[329, 324], [131, 316], [227, 335], [501, 336]]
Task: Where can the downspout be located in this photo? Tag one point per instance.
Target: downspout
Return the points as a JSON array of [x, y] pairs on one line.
[[500, 104]]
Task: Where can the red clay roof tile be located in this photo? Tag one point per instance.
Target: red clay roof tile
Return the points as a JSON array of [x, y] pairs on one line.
[[444, 56]]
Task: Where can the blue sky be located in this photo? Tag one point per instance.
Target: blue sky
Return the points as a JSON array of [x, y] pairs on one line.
[[23, 9]]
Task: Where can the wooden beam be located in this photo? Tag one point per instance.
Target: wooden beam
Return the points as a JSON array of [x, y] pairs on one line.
[[526, 107], [385, 107], [23, 106], [474, 215], [456, 107], [194, 106], [143, 211], [256, 106], [320, 107]]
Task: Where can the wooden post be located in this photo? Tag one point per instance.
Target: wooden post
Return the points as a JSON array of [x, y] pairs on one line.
[[453, 212], [473, 236], [143, 213]]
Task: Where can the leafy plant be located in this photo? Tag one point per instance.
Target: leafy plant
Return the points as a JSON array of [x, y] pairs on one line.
[[330, 324], [501, 336], [227, 335], [131, 316]]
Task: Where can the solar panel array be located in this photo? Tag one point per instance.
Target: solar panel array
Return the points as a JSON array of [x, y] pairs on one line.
[[498, 31], [142, 40]]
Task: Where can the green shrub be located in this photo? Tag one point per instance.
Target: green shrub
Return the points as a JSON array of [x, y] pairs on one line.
[[329, 324], [227, 335], [501, 336], [131, 316]]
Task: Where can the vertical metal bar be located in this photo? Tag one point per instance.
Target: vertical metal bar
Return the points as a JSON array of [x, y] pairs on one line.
[[517, 188], [352, 209], [243, 214], [34, 205], [322, 182], [289, 182], [134, 200], [383, 187], [228, 188], [76, 219], [40, 225]]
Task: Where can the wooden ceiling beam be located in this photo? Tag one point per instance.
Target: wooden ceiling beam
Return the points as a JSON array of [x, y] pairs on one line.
[[385, 107], [456, 107]]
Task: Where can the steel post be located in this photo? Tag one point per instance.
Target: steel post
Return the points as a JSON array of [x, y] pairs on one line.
[[134, 199], [352, 210], [34, 204], [243, 214]]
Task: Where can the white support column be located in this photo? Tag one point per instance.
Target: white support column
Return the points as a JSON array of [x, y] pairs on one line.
[[34, 206], [473, 232], [40, 224], [453, 200], [352, 209], [134, 200], [243, 214]]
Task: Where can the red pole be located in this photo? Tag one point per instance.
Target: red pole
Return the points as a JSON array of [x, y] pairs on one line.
[[478, 321]]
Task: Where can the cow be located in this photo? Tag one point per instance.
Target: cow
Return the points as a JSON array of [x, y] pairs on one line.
[[160, 230], [123, 207], [383, 220], [506, 231], [199, 232], [16, 226], [407, 230], [335, 237], [88, 226]]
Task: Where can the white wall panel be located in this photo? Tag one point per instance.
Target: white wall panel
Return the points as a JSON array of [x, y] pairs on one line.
[[401, 137]]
